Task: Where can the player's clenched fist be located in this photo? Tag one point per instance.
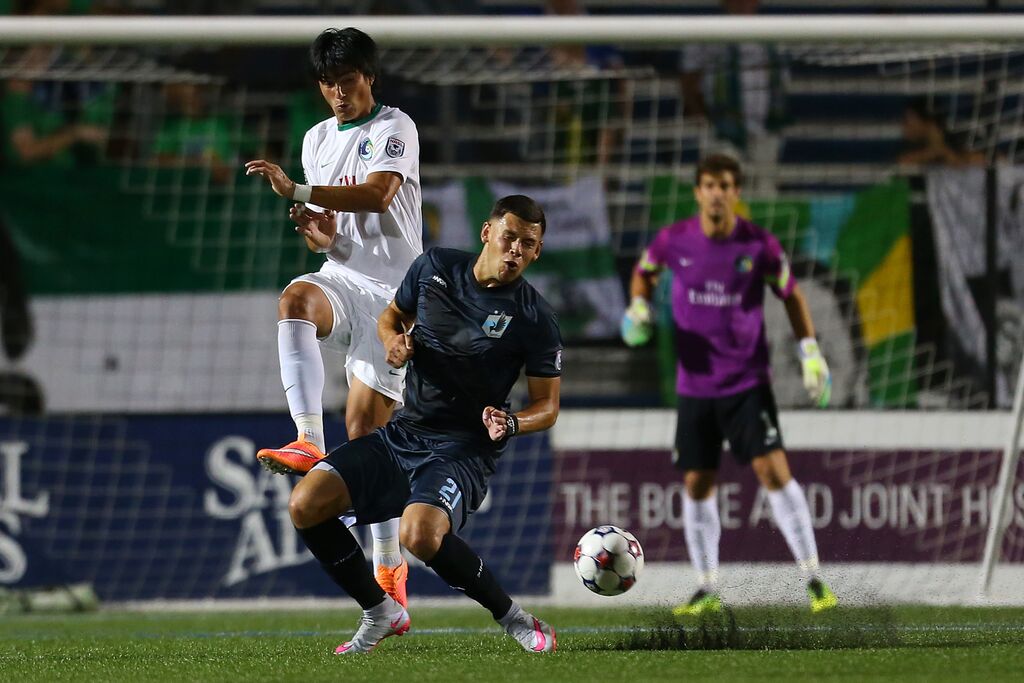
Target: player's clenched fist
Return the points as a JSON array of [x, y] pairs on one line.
[[399, 349], [496, 422]]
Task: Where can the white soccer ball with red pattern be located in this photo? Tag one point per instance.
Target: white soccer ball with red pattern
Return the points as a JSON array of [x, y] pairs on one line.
[[608, 560]]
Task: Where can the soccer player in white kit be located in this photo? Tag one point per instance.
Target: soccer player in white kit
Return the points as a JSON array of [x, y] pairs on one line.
[[361, 207]]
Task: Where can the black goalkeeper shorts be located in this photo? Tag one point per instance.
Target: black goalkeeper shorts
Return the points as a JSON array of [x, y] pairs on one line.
[[749, 421]]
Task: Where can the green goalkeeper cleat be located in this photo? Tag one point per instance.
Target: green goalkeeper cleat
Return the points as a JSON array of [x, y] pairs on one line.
[[702, 602], [822, 597]]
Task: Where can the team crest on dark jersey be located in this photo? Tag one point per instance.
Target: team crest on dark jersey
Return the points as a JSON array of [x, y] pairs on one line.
[[744, 264], [366, 149], [496, 324], [394, 147]]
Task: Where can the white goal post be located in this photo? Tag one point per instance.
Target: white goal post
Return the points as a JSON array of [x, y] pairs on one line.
[[466, 30], [1007, 469]]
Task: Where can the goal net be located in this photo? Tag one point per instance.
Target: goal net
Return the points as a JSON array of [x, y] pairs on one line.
[[141, 271]]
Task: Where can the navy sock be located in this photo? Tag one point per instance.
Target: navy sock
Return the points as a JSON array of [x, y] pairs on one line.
[[456, 563], [341, 557]]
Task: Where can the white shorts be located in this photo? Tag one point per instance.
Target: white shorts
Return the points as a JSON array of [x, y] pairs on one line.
[[356, 309]]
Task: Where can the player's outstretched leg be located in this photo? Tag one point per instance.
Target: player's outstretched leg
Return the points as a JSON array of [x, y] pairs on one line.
[[703, 530], [456, 563], [341, 557], [425, 532], [302, 375], [314, 507]]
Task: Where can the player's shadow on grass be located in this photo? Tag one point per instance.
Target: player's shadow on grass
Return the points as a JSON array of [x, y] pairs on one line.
[[761, 629]]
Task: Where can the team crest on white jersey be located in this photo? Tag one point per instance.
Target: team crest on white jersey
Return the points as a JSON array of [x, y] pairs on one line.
[[366, 149], [395, 147], [496, 324]]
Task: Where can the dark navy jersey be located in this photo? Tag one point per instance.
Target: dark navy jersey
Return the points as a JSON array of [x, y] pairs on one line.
[[471, 342]]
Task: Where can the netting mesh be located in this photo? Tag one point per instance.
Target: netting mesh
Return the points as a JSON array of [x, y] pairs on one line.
[[157, 292]]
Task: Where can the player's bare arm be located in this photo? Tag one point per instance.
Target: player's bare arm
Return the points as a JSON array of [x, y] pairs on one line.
[[318, 228], [540, 414], [643, 282], [816, 374], [799, 314], [394, 328], [372, 196]]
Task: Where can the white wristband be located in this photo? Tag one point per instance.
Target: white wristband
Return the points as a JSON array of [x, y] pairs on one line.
[[302, 193]]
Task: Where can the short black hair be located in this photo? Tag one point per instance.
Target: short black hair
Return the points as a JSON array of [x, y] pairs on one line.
[[335, 49], [716, 165], [522, 207]]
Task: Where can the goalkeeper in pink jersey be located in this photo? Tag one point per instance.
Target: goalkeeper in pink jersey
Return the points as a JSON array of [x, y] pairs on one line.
[[720, 264]]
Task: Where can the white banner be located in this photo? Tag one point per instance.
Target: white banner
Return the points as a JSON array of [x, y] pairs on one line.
[[162, 353], [956, 202]]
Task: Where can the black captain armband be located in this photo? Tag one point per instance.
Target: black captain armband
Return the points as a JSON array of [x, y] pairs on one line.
[[511, 425]]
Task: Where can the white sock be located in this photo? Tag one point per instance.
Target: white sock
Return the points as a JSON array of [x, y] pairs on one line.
[[311, 428], [386, 550], [789, 508], [302, 376], [703, 529]]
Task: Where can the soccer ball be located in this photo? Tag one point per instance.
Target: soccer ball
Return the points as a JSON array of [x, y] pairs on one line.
[[608, 560]]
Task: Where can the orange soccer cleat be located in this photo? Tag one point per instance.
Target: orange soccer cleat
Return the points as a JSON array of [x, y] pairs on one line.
[[392, 580], [298, 457]]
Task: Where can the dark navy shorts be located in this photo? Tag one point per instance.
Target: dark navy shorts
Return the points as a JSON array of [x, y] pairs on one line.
[[748, 420], [392, 468]]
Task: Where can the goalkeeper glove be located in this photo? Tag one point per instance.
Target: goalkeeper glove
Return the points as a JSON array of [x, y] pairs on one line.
[[817, 378], [636, 323]]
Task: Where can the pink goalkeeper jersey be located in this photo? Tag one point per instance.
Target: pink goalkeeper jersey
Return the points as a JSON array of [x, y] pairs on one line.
[[718, 303]]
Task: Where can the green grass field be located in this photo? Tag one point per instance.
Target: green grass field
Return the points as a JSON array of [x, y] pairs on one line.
[[445, 645]]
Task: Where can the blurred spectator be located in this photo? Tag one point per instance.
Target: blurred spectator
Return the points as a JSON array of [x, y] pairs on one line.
[[44, 121], [739, 89], [926, 141], [585, 107], [36, 118], [191, 136]]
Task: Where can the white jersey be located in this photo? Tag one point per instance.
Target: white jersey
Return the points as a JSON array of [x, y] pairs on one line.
[[372, 249]]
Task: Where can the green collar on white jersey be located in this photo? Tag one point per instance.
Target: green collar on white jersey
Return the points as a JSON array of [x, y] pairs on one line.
[[358, 122]]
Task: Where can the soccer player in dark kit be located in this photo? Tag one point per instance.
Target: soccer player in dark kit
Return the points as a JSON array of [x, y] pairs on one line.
[[466, 325]]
